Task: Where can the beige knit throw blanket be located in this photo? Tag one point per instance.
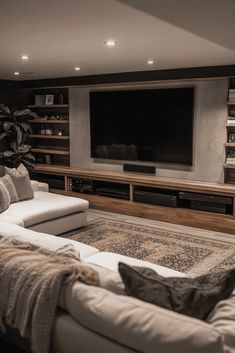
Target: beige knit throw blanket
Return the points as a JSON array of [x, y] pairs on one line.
[[30, 285]]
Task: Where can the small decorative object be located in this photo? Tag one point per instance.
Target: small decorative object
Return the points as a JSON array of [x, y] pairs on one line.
[[231, 137], [40, 158], [39, 99], [60, 132], [47, 159], [49, 99], [63, 117], [61, 98], [42, 131], [49, 132]]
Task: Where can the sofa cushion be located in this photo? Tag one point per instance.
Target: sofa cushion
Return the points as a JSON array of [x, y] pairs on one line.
[[110, 260], [189, 296], [142, 326], [46, 241], [7, 181], [57, 226], [11, 219], [222, 317], [39, 186], [45, 206], [69, 336], [21, 180], [4, 198]]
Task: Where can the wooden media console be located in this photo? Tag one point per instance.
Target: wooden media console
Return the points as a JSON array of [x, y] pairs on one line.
[[191, 203]]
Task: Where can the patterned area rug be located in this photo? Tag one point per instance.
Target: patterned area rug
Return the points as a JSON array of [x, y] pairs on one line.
[[176, 250]]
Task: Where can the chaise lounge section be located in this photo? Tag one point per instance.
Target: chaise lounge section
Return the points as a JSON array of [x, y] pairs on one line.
[[47, 212]]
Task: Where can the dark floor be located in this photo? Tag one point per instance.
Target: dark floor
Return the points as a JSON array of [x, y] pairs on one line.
[[6, 347]]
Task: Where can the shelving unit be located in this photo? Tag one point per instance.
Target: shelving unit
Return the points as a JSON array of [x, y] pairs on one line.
[[229, 166], [50, 137]]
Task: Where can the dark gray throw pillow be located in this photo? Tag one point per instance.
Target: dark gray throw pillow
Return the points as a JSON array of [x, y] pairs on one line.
[[189, 296]]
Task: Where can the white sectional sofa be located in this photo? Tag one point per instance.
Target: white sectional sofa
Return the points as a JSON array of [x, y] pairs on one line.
[[104, 319]]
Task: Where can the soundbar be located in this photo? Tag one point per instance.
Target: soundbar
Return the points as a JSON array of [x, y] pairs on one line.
[[139, 168]]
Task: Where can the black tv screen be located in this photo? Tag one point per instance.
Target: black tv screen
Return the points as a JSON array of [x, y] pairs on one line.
[[152, 125]]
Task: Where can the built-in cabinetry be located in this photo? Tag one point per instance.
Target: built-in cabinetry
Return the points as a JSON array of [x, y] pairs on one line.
[[230, 143], [50, 137], [191, 203]]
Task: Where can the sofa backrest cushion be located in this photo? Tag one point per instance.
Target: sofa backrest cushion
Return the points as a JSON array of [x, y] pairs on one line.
[[138, 325], [10, 186], [4, 197], [222, 317], [189, 296], [21, 180]]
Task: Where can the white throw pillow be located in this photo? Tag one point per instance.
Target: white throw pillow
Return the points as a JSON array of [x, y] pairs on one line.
[[21, 180]]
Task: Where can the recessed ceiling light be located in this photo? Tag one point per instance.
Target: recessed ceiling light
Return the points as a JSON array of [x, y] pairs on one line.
[[150, 62], [110, 42], [77, 68], [24, 57], [16, 73]]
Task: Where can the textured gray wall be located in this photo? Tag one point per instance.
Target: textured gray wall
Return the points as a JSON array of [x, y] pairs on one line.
[[209, 132]]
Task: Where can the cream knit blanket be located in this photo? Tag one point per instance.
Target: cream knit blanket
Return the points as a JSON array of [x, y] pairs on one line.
[[30, 285]]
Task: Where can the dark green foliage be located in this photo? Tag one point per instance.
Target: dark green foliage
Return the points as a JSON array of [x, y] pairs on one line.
[[14, 128]]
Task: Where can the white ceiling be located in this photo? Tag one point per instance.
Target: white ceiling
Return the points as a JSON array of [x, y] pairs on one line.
[[60, 34]]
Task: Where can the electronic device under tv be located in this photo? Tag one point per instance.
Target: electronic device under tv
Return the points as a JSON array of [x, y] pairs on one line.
[[152, 125]]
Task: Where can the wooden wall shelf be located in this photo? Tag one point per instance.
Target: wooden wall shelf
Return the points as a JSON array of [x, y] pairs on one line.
[[230, 125], [53, 137], [44, 121], [229, 166], [50, 151], [48, 106]]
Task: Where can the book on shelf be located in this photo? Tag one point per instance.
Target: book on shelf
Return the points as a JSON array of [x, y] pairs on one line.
[[230, 160], [230, 120], [231, 94]]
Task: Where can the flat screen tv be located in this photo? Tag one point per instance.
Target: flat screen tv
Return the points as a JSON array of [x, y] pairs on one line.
[[152, 125]]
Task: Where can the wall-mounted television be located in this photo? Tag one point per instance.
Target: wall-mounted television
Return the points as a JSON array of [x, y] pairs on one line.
[[152, 125]]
